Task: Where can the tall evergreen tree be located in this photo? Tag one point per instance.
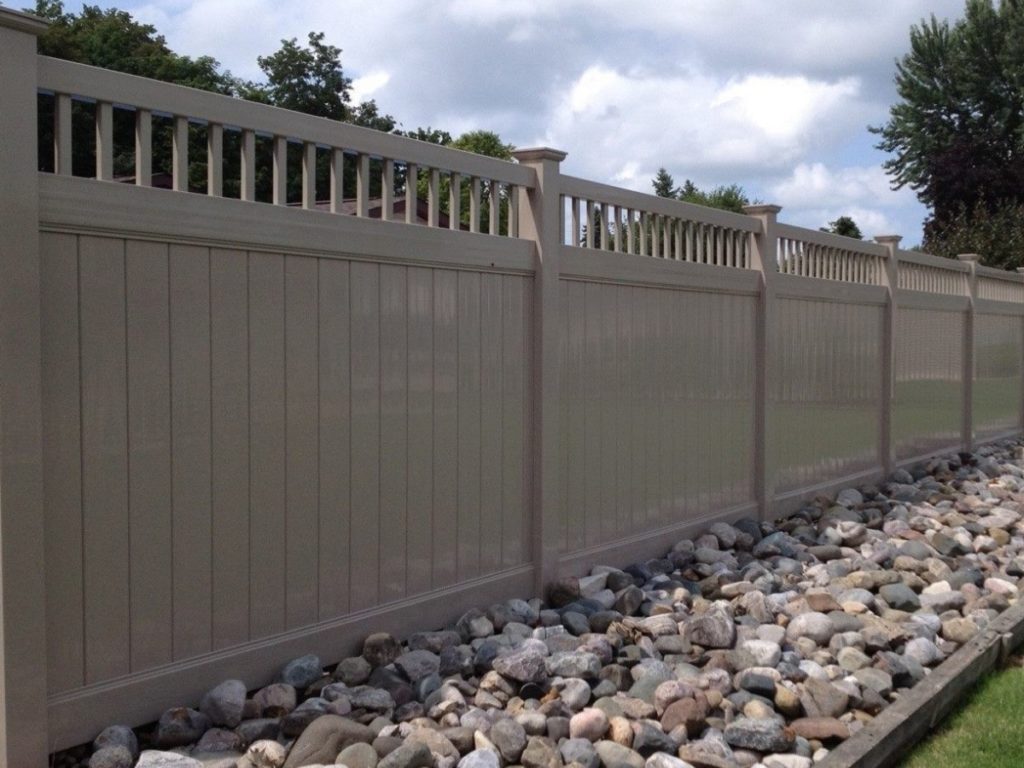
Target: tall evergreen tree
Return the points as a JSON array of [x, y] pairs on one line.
[[664, 185]]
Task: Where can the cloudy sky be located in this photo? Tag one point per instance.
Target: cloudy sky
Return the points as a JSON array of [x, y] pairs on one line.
[[771, 94]]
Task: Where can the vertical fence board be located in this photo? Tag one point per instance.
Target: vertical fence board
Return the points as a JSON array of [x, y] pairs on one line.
[[229, 393], [190, 448], [266, 444], [366, 534], [334, 435], [576, 438], [301, 424], [490, 422], [420, 335], [394, 293], [514, 349], [446, 404], [149, 454], [62, 461], [105, 540], [469, 425]]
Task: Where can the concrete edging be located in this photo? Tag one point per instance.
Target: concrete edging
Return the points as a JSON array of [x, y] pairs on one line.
[[904, 723]]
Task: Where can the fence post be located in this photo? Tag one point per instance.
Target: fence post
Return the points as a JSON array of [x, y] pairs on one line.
[[890, 279], [540, 220], [764, 258], [967, 427], [23, 726]]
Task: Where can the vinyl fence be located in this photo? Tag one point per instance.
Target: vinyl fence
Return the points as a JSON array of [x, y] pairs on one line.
[[233, 432]]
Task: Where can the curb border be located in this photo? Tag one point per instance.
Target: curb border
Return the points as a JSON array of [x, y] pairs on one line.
[[902, 725]]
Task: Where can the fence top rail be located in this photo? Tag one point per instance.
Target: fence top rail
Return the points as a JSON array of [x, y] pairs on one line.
[[927, 260], [121, 89], [999, 274], [573, 186], [830, 240]]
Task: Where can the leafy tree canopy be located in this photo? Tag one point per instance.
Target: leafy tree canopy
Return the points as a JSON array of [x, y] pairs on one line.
[[114, 40], [957, 134], [997, 233], [844, 226], [728, 197]]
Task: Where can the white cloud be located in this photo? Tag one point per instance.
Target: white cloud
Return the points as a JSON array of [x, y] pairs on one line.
[[813, 195], [365, 87], [627, 124]]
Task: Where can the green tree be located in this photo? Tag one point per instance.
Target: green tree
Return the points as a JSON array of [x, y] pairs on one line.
[[478, 142], [844, 226], [728, 197], [114, 40], [997, 233], [664, 185], [956, 135]]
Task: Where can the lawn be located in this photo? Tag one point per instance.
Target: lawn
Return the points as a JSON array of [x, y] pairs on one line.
[[988, 732]]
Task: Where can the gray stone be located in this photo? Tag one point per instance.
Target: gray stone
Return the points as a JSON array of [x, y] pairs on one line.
[[381, 649], [899, 596], [223, 704], [713, 629], [877, 680], [763, 735], [360, 755], [409, 755], [579, 751], [258, 729], [479, 758], [219, 740], [438, 744], [352, 671], [179, 727], [663, 760], [648, 738], [302, 672], [112, 757], [117, 736], [613, 755], [575, 693], [541, 752], [152, 758], [959, 630], [296, 721], [763, 652], [510, 739], [324, 738], [525, 666], [822, 699], [417, 665], [629, 600], [373, 698], [579, 664], [276, 698], [814, 625]]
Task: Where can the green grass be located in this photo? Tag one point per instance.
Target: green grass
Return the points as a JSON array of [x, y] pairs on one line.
[[987, 732]]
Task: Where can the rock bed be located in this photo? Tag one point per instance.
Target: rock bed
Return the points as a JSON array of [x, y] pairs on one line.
[[754, 645]]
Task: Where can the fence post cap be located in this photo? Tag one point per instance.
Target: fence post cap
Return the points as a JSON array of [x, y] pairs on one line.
[[888, 239], [22, 22], [533, 154], [969, 257], [760, 209]]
